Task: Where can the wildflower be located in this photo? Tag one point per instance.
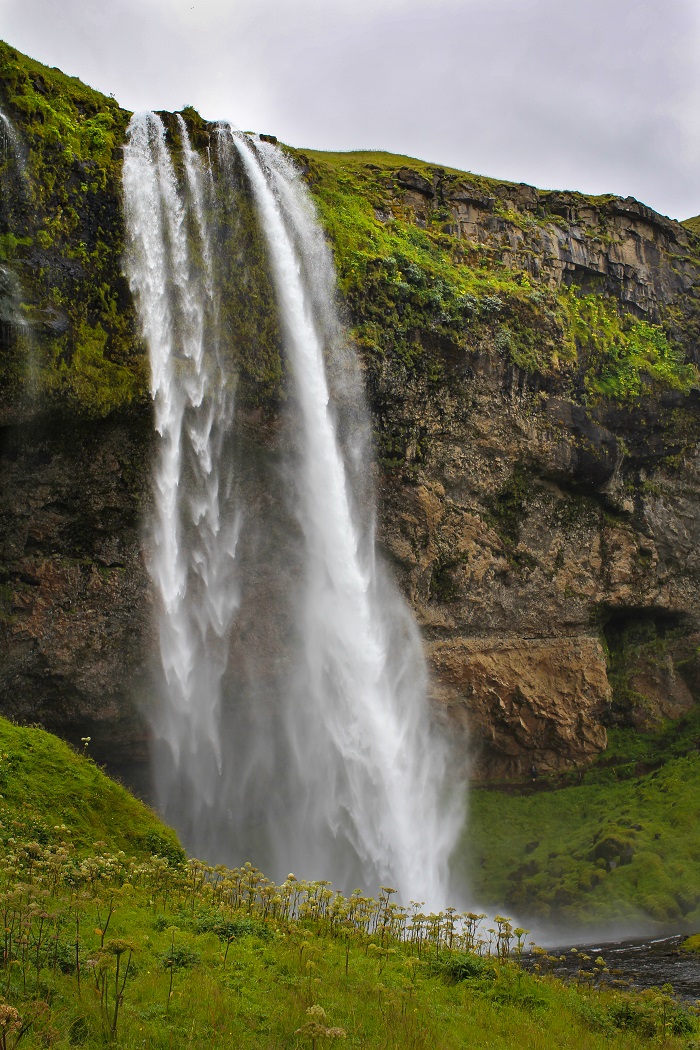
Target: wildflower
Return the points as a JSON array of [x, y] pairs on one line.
[[10, 1021]]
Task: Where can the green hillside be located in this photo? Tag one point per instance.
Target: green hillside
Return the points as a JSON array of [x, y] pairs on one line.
[[122, 943], [53, 796], [692, 224], [606, 847]]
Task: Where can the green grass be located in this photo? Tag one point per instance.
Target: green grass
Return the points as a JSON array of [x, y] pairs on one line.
[[47, 792], [111, 939], [111, 952], [607, 850], [412, 287], [692, 224]]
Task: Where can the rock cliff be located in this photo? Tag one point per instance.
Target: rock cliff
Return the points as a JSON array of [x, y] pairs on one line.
[[530, 362]]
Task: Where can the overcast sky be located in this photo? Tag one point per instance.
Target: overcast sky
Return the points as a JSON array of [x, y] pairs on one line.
[[596, 95]]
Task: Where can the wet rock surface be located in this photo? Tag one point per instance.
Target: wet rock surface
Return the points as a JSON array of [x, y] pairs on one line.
[[635, 964], [532, 531], [75, 632]]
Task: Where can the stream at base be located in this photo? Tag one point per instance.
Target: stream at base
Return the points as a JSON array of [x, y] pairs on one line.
[[637, 964]]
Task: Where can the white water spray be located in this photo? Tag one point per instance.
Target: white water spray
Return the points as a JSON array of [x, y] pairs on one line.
[[314, 749], [370, 768], [195, 527]]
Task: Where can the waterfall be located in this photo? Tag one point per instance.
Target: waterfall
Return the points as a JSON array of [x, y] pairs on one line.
[[11, 147], [308, 746], [370, 769], [14, 194], [195, 523]]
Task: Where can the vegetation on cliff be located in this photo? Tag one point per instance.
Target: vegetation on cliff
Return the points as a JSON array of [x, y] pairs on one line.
[[425, 303], [418, 293], [69, 338], [605, 847], [125, 943]]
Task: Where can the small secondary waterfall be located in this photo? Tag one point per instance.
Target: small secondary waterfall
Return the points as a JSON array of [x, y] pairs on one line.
[[195, 527], [14, 192], [332, 766], [11, 147]]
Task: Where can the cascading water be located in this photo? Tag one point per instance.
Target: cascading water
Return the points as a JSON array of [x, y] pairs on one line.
[[11, 147], [195, 526], [13, 200], [369, 768], [330, 766]]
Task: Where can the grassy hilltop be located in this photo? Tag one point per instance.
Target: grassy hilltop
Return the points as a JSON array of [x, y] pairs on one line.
[[409, 287]]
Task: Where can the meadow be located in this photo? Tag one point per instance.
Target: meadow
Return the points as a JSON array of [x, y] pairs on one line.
[[112, 936]]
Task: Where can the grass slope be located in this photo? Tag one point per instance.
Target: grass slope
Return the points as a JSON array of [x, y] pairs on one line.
[[49, 793], [106, 945], [692, 224], [615, 848]]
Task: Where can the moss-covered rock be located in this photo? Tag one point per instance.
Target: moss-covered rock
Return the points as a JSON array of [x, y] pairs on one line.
[[69, 338]]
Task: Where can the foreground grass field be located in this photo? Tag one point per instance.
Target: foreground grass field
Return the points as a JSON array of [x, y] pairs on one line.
[[121, 941]]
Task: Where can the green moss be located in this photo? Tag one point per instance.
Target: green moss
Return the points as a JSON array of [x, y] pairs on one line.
[[611, 851], [419, 296], [61, 228], [408, 288], [7, 615], [250, 334], [87, 382], [608, 843], [633, 642], [506, 511], [46, 788], [622, 357]]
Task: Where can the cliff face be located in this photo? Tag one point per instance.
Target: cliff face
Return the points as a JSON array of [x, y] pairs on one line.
[[74, 606], [528, 357], [536, 536], [539, 499]]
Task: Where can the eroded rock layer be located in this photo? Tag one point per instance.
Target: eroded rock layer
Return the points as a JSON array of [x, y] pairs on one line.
[[529, 361]]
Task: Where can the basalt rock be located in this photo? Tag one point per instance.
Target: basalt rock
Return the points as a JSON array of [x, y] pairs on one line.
[[548, 541], [75, 629]]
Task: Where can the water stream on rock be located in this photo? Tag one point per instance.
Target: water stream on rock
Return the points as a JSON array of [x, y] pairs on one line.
[[13, 198], [11, 147], [195, 525], [335, 768]]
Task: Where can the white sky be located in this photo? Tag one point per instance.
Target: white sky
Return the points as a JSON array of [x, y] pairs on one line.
[[596, 95]]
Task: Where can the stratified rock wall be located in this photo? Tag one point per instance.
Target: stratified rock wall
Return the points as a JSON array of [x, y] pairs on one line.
[[545, 530], [530, 527]]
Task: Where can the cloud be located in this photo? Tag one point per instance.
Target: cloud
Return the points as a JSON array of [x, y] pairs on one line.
[[599, 95]]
